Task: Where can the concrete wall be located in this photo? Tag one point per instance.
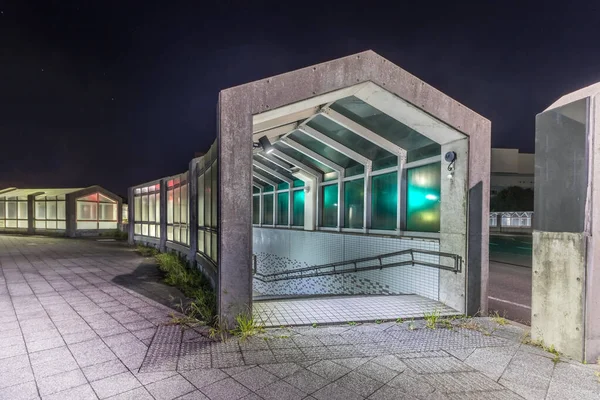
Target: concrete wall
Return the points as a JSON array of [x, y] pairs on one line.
[[278, 250], [558, 287]]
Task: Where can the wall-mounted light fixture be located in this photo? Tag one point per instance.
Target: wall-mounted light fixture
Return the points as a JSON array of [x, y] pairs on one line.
[[450, 158], [266, 144]]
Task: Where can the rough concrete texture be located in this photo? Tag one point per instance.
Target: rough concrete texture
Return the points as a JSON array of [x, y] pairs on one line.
[[557, 303], [81, 319], [236, 107], [453, 227]]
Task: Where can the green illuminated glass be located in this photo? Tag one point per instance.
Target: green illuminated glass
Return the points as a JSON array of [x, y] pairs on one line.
[[256, 209], [298, 183], [298, 208], [283, 186], [354, 203], [282, 208], [268, 189], [423, 198], [384, 201], [268, 209], [255, 190], [329, 205]]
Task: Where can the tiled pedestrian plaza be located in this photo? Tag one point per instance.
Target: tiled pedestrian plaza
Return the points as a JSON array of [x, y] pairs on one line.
[[82, 319]]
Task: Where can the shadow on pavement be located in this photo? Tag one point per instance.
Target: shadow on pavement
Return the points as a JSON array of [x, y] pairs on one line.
[[147, 280]]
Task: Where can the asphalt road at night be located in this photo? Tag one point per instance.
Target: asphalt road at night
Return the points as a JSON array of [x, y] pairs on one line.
[[510, 277]]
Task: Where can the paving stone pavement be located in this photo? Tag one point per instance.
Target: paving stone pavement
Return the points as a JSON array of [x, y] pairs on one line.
[[81, 319]]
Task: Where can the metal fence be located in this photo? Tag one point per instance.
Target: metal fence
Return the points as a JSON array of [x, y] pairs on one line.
[[511, 219]]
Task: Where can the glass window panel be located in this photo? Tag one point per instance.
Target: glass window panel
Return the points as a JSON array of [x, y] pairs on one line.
[[380, 157], [184, 203], [89, 197], [323, 150], [298, 183], [22, 210], [283, 186], [2, 209], [61, 225], [40, 210], [384, 201], [201, 200], [157, 212], [50, 224], [87, 211], [137, 229], [282, 208], [256, 210], [176, 234], [152, 208], [423, 198], [207, 197], [40, 224], [145, 208], [137, 208], [268, 189], [107, 212], [298, 219], [60, 210], [214, 244], [11, 210], [23, 223], [381, 123], [207, 247], [201, 241], [170, 206], [11, 223], [214, 192], [268, 209], [152, 230], [104, 199], [145, 229], [329, 205], [432, 150], [354, 203], [302, 158], [255, 190], [177, 205], [51, 210], [170, 232]]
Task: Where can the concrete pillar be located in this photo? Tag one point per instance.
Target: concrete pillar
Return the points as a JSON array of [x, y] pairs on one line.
[[31, 214], [71, 214], [130, 215], [565, 301]]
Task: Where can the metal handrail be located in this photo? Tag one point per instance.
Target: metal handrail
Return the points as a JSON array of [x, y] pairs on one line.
[[314, 271]]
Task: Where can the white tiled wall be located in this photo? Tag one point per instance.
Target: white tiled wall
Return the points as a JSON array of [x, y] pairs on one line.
[[278, 250]]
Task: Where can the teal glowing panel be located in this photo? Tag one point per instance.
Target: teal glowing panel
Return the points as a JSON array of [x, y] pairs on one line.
[[298, 183], [354, 203], [329, 205], [423, 198], [283, 186], [282, 208], [268, 209], [298, 208], [256, 210], [384, 201]]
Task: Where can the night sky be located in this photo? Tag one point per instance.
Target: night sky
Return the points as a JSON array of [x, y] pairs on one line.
[[116, 93]]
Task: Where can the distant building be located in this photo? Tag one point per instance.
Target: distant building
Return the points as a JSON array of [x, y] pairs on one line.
[[66, 212], [511, 168]]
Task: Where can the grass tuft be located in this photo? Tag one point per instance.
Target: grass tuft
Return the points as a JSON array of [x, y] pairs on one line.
[[246, 326], [146, 251], [498, 319], [431, 319]]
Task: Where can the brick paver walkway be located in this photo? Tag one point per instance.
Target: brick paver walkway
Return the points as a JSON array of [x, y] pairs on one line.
[[79, 319]]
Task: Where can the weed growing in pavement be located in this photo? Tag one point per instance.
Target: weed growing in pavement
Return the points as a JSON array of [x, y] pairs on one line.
[[247, 326], [498, 319], [431, 319], [193, 284], [411, 325], [351, 323], [399, 320], [378, 321], [146, 251], [540, 343], [314, 324]]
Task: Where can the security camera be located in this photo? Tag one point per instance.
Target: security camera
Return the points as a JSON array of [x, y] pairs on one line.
[[450, 157]]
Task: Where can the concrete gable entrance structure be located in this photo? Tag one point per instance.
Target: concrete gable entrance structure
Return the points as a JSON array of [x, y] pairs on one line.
[[279, 109]]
